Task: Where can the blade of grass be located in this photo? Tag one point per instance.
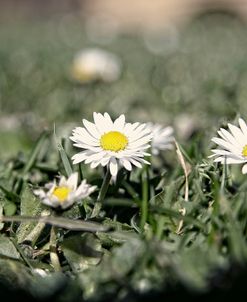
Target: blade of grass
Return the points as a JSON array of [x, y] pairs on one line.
[[175, 214], [167, 201], [31, 161], [145, 193], [186, 173], [63, 155], [10, 195]]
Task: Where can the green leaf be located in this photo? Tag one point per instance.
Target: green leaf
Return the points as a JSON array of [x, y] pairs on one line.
[[30, 206], [9, 208], [7, 248], [82, 251]]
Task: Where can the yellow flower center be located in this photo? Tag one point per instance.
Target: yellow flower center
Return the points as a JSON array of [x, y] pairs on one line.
[[61, 193], [244, 151], [113, 141], [81, 73]]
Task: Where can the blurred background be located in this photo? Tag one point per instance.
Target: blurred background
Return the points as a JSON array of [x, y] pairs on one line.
[[176, 62]]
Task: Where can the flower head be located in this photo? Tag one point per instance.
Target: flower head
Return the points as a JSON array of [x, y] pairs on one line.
[[233, 145], [95, 64], [162, 137], [65, 193], [112, 144]]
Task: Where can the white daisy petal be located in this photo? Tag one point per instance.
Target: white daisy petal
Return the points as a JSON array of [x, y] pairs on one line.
[[91, 128], [140, 142], [128, 128], [108, 119], [161, 137], [49, 203], [237, 133], [139, 148], [226, 145], [144, 161], [85, 146], [94, 157], [227, 136], [72, 180], [221, 152], [67, 204], [228, 160], [167, 131], [139, 128], [119, 123], [79, 157], [81, 134], [135, 162], [243, 126], [95, 164], [233, 145], [103, 125], [91, 159], [113, 166], [244, 169], [126, 163], [62, 181], [139, 134], [39, 193], [105, 161]]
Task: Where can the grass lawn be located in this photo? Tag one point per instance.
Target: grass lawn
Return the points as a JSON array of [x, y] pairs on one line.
[[174, 229]]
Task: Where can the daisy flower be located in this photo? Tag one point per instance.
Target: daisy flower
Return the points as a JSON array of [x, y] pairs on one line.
[[111, 144], [162, 137], [93, 64], [233, 145], [65, 193]]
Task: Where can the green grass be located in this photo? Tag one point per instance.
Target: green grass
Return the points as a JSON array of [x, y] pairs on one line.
[[124, 256]]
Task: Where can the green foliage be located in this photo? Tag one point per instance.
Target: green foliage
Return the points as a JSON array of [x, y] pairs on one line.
[[181, 248], [7, 248], [30, 206]]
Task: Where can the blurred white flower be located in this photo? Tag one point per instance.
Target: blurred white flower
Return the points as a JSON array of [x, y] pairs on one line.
[[233, 145], [96, 64], [162, 137], [111, 144], [186, 125], [65, 193]]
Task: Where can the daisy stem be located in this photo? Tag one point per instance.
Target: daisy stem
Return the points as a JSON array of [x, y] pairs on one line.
[[144, 204], [35, 233], [102, 193], [160, 227], [53, 250]]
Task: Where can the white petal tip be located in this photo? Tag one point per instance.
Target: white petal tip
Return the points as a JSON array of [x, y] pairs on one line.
[[244, 169]]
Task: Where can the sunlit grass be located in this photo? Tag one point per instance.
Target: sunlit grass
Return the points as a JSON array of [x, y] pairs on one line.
[[176, 228]]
